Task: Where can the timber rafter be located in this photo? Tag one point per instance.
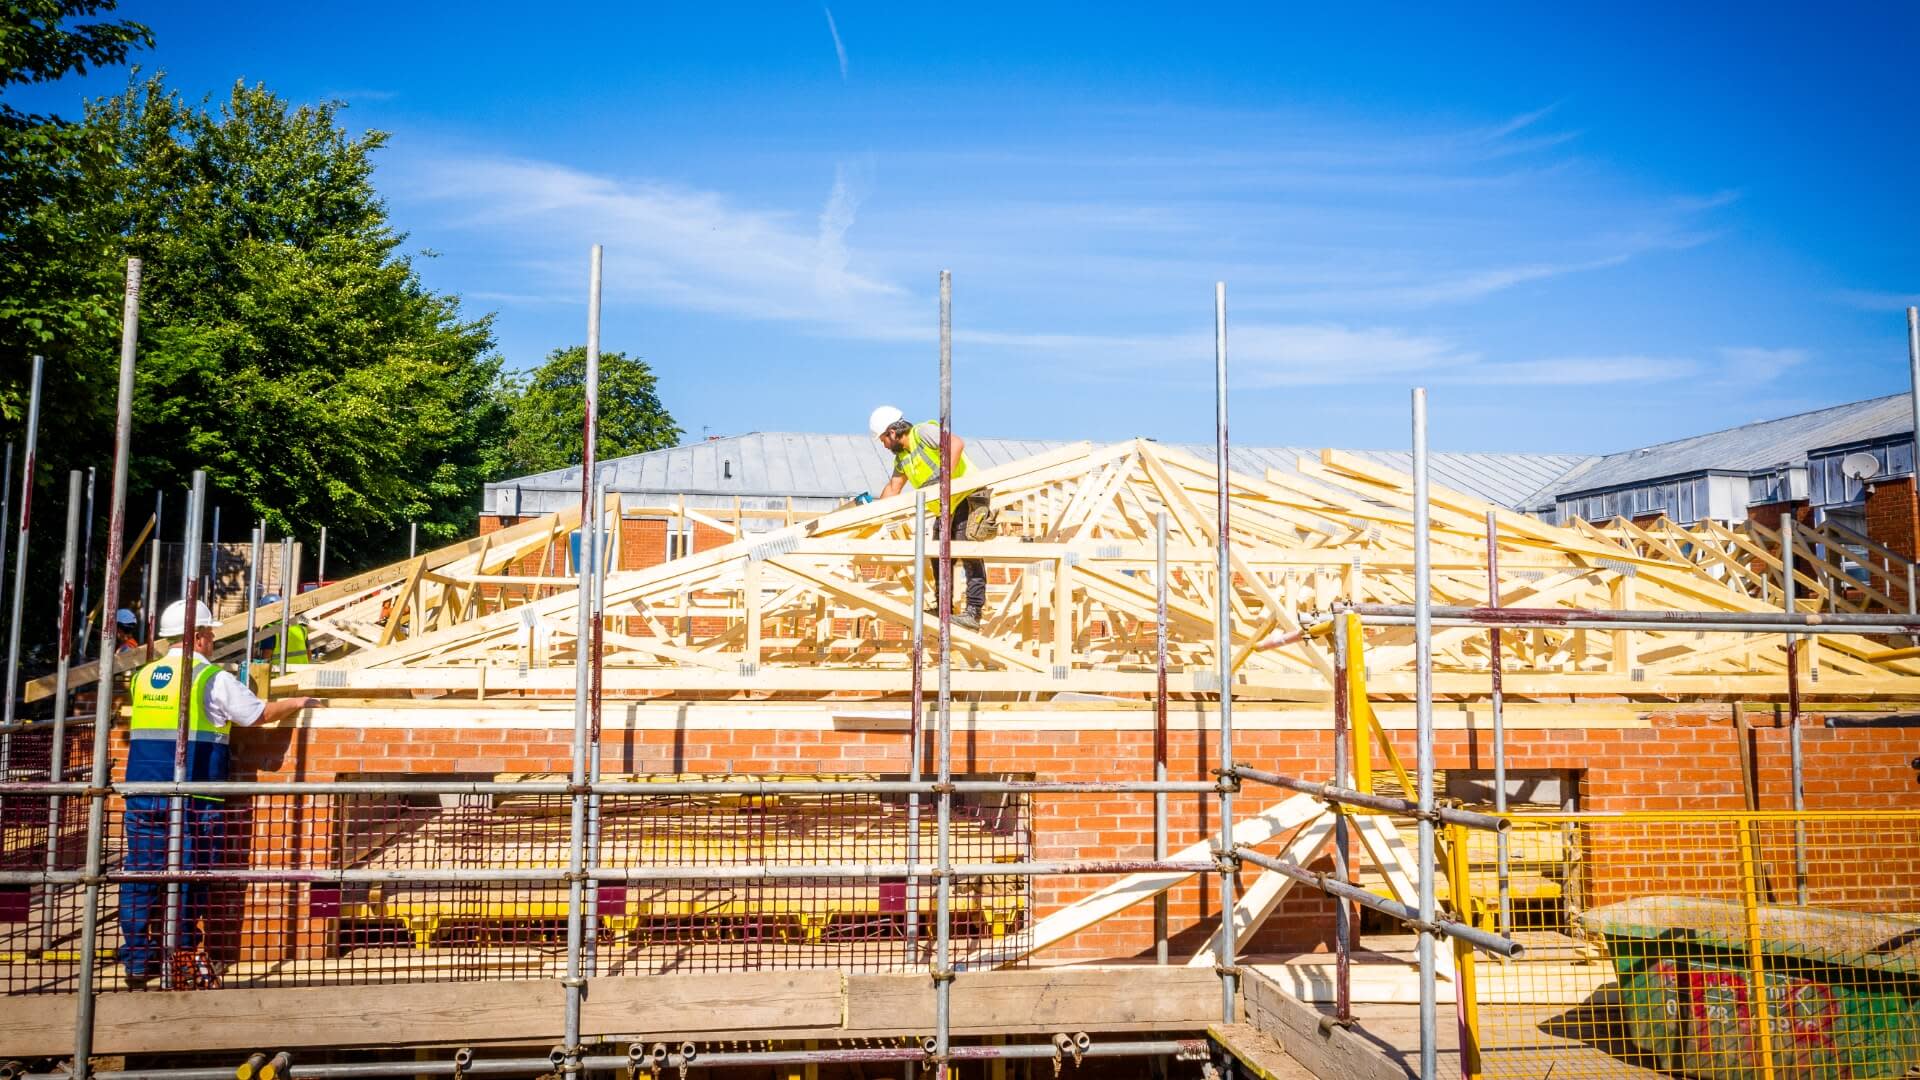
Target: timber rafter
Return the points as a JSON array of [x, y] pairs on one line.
[[822, 607]]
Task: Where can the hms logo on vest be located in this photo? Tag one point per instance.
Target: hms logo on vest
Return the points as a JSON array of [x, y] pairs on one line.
[[161, 676]]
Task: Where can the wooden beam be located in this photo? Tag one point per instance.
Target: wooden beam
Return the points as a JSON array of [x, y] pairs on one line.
[[743, 1005], [1325, 1049]]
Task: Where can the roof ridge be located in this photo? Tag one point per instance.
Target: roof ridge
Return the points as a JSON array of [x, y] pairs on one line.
[[1752, 424]]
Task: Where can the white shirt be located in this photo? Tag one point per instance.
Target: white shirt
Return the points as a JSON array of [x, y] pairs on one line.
[[228, 699]]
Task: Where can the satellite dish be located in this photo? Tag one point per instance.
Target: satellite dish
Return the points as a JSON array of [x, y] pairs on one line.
[[1859, 466]]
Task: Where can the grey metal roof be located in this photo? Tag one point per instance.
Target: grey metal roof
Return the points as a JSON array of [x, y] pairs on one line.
[[764, 469], [1765, 444]]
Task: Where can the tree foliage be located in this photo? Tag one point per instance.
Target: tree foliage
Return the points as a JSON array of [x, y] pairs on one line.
[[547, 410], [293, 351], [38, 45], [287, 343], [287, 347]]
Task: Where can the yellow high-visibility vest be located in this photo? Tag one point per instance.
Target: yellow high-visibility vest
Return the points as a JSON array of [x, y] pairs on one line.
[[155, 723], [918, 458]]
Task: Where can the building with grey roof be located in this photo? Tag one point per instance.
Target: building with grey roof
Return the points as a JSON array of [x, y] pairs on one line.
[[764, 469], [1720, 474]]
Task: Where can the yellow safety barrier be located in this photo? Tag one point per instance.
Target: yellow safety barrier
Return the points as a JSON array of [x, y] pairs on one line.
[[1689, 944]]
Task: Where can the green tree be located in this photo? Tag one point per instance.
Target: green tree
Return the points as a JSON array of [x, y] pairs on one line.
[[546, 412], [58, 289], [288, 346], [48, 299], [37, 46]]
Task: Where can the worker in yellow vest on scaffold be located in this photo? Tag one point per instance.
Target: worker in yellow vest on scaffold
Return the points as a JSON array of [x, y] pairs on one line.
[[916, 460], [296, 638], [208, 839]]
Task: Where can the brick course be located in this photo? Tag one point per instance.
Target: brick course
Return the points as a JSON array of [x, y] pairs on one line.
[[1684, 760], [1893, 518]]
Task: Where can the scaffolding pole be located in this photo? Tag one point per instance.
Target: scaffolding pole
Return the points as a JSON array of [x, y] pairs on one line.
[[1789, 535], [1423, 711], [20, 561], [1496, 705], [211, 589], [1385, 804], [86, 576], [1223, 655], [57, 752], [574, 982], [943, 827], [253, 606], [663, 872], [1428, 927], [103, 697], [686, 1056], [1343, 913], [182, 735], [759, 788], [6, 512], [916, 719], [592, 638], [152, 599], [287, 578], [1160, 726]]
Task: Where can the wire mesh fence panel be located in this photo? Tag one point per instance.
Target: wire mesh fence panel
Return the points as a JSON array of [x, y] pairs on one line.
[[856, 923], [39, 923], [1716, 946], [356, 888]]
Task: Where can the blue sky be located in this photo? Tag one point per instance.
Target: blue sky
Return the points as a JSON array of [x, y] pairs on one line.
[[1582, 234]]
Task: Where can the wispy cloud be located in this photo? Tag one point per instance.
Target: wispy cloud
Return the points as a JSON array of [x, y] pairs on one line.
[[678, 246], [1280, 355], [836, 217], [1451, 289], [1081, 240], [1577, 371], [1748, 364], [839, 49]]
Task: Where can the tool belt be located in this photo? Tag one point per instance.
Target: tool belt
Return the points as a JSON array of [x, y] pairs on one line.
[[983, 523]]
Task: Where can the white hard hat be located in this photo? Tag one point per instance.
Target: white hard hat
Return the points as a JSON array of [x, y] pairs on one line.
[[173, 618], [883, 418]]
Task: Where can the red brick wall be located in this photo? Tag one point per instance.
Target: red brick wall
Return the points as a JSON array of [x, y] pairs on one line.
[[1685, 760], [1893, 518], [1769, 514], [643, 543]]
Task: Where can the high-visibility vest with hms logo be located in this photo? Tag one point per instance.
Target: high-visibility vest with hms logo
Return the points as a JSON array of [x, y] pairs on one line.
[[918, 458], [156, 721]]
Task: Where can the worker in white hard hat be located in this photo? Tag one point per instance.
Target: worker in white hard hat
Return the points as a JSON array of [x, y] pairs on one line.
[[916, 460], [218, 703]]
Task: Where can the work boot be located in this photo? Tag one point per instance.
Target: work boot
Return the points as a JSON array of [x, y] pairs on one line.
[[136, 982], [967, 619]]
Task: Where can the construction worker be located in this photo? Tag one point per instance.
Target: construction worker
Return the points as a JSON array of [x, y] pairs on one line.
[[218, 703], [126, 629], [916, 461], [269, 650]]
